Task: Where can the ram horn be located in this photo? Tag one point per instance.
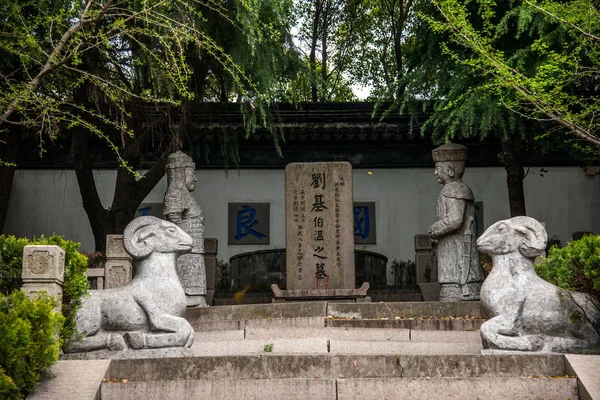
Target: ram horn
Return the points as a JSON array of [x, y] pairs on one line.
[[535, 234], [129, 236]]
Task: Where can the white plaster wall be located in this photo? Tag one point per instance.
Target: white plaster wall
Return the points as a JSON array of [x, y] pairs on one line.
[[48, 201]]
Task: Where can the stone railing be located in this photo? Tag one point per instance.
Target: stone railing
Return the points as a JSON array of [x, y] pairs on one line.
[[118, 269]]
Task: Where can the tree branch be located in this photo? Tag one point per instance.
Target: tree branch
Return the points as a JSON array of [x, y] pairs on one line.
[[49, 65]]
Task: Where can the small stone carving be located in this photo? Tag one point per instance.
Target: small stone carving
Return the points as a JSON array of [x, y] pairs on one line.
[[148, 311], [527, 313], [459, 273], [182, 209], [39, 262]]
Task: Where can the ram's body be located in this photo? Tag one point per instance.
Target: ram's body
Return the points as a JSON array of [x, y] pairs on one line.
[[148, 311], [525, 312]]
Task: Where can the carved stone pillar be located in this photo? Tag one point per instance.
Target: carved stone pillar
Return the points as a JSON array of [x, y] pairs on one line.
[[44, 270], [118, 268]]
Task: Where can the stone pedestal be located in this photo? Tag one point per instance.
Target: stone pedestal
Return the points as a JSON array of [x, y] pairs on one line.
[[426, 268], [319, 232], [43, 270], [118, 268], [211, 246]]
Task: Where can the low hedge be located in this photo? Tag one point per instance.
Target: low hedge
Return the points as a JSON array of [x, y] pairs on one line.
[[29, 343]]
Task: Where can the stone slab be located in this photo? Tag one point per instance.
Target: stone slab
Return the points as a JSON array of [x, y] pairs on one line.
[[216, 348], [328, 366], [587, 369], [84, 376], [330, 333], [257, 346], [319, 226], [404, 309], [430, 291], [458, 388], [402, 347], [394, 297], [445, 336], [357, 295], [216, 336], [315, 322], [247, 389], [413, 324], [129, 354], [257, 311]]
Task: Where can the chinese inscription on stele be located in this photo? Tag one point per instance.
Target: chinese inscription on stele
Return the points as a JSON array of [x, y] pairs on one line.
[[319, 226]]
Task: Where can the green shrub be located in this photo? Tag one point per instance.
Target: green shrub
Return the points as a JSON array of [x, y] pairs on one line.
[[576, 267], [28, 341], [75, 285], [11, 262]]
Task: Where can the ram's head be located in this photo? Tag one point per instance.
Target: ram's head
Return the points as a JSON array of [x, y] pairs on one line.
[[147, 234], [522, 234]]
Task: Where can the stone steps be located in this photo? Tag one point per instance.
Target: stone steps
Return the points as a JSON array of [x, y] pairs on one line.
[[350, 389], [460, 316], [334, 376], [339, 351]]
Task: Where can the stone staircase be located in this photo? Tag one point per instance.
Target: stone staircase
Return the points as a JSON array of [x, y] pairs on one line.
[[340, 351], [337, 351]]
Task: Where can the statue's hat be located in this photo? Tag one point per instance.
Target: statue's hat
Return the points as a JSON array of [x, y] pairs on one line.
[[449, 152], [180, 160]]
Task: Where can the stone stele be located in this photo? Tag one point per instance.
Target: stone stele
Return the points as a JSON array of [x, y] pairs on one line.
[[319, 226], [525, 312], [148, 311], [459, 274]]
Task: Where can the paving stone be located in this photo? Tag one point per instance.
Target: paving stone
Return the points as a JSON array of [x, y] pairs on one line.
[[458, 388], [398, 347], [84, 376], [227, 389]]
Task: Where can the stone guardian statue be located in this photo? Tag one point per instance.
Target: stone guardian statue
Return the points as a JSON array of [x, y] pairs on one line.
[[459, 274], [526, 313], [182, 209], [148, 312]]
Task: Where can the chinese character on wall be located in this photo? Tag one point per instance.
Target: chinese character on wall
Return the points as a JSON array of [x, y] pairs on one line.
[[364, 223], [248, 223]]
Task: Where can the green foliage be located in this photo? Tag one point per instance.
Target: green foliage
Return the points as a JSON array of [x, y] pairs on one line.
[[75, 284], [334, 36], [11, 262], [28, 341], [268, 347], [81, 64], [538, 59], [574, 267]]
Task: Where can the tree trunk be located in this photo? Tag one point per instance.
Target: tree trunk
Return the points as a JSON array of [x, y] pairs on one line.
[[324, 36], [129, 192], [513, 156], [8, 154], [313, 51]]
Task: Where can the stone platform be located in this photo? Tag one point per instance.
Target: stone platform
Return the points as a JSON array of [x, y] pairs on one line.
[[339, 351]]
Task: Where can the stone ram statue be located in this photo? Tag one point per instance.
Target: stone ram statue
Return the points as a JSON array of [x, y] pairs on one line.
[[148, 311], [526, 313]]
